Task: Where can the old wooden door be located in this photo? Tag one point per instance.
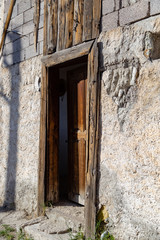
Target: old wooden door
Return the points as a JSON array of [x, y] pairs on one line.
[[77, 90]]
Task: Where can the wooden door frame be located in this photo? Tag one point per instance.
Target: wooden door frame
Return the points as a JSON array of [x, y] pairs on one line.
[[90, 50]]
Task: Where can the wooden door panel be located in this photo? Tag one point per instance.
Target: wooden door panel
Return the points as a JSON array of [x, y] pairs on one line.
[[77, 89]]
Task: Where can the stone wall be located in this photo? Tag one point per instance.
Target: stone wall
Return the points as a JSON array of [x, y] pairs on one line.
[[123, 12], [20, 40], [1, 16], [129, 164], [19, 134]]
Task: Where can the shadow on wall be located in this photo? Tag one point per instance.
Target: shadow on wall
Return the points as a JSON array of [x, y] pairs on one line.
[[13, 104]]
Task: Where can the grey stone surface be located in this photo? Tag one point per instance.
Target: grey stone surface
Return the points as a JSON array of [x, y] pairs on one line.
[[59, 224], [41, 21], [42, 8], [126, 3], [110, 21], [130, 115], [41, 47], [12, 36], [28, 15], [17, 45], [23, 5], [27, 27], [107, 6], [17, 21], [30, 52], [117, 4], [154, 7], [134, 12], [1, 16], [21, 103]]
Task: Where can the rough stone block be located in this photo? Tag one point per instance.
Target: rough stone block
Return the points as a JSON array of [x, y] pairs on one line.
[[14, 12], [31, 39], [41, 21], [7, 61], [18, 56], [21, 43], [42, 8], [28, 15], [41, 47], [126, 3], [6, 6], [17, 21], [30, 52], [11, 36], [40, 36], [8, 49], [117, 4], [107, 6], [28, 27], [23, 6], [110, 21], [154, 7], [17, 45], [134, 13]]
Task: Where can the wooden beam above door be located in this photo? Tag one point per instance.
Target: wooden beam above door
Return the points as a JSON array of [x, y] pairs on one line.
[[67, 54]]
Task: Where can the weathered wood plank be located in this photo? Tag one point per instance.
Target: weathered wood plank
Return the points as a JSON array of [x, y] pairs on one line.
[[69, 6], [78, 21], [67, 54], [91, 150], [50, 27], [87, 20], [42, 141], [7, 22], [96, 18], [61, 25], [36, 21], [55, 22], [45, 28], [52, 184]]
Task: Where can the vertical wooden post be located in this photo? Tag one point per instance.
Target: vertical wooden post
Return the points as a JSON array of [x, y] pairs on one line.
[[87, 20], [45, 28], [69, 6], [42, 145], [61, 25], [78, 21], [91, 145], [36, 21], [96, 18]]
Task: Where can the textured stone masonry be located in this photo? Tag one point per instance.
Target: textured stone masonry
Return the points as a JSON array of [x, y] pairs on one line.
[[127, 12], [155, 6], [134, 12], [20, 31]]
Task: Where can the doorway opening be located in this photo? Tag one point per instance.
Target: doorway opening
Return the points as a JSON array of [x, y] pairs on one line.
[[49, 186], [66, 134]]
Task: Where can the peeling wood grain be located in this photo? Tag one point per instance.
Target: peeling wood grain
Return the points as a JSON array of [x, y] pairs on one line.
[[61, 25], [67, 54], [78, 21], [55, 23], [87, 20], [45, 28], [36, 21], [42, 141], [91, 148], [69, 6], [96, 18]]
